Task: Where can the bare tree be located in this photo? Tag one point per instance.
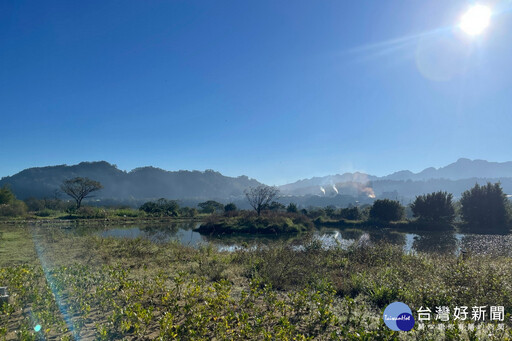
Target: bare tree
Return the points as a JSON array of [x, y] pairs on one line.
[[260, 196], [79, 188]]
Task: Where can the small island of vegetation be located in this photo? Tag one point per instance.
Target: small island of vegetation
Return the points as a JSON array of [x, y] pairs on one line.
[[248, 222], [266, 218]]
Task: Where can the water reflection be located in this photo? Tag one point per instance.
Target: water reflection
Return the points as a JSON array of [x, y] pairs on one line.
[[385, 236], [433, 242], [438, 242], [353, 234], [182, 232]]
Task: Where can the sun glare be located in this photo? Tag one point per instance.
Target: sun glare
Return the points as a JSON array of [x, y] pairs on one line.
[[475, 20]]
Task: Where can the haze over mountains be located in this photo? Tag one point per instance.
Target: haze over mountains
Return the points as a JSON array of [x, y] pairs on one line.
[[147, 183], [462, 169], [140, 183], [454, 178]]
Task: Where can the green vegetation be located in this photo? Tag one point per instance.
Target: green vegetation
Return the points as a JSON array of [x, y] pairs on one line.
[[211, 206], [351, 213], [386, 210], [485, 209], [482, 209], [93, 288], [188, 212], [9, 205], [47, 204], [6, 196], [231, 207], [247, 222], [434, 207], [275, 206], [56, 209], [292, 208], [435, 211], [161, 207]]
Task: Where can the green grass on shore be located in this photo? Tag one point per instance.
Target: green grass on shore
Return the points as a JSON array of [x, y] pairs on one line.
[[93, 288], [248, 222]]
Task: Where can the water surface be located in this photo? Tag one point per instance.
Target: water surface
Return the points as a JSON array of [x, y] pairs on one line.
[[432, 242]]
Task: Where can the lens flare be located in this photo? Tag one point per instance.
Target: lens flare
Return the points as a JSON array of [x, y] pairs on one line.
[[475, 20]]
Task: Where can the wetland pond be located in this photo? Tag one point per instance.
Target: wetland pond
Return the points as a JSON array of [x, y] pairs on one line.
[[431, 242]]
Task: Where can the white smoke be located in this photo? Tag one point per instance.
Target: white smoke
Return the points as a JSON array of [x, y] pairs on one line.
[[322, 189], [362, 183], [358, 184]]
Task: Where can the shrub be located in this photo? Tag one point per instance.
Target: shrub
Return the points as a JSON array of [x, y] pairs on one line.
[[316, 212], [230, 207], [283, 266], [6, 196], [44, 213], [248, 222], [34, 204], [188, 212], [275, 206], [15, 208], [485, 208], [435, 206], [161, 207], [330, 211], [9, 206], [350, 213], [211, 206], [387, 210], [292, 208], [88, 212]]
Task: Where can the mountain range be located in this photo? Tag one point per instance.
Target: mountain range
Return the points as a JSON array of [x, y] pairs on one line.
[[454, 176], [138, 184], [462, 169], [147, 183]]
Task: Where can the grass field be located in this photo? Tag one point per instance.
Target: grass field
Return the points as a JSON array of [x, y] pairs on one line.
[[85, 287]]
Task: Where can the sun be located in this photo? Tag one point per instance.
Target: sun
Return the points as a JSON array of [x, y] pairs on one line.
[[475, 20]]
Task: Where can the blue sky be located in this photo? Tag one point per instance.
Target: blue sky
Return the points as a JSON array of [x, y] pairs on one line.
[[276, 90]]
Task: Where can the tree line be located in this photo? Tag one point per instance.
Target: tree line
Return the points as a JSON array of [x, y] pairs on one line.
[[483, 207]]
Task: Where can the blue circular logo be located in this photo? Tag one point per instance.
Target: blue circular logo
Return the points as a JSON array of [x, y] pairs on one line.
[[398, 316]]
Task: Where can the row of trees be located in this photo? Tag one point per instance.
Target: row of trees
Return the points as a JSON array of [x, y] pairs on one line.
[[171, 208], [481, 208], [260, 198]]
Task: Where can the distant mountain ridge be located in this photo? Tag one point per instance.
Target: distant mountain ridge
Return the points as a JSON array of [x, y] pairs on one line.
[[144, 182], [460, 170], [150, 183]]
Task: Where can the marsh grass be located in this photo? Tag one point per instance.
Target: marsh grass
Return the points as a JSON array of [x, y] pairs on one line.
[[249, 223], [88, 287]]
